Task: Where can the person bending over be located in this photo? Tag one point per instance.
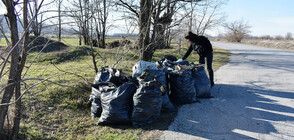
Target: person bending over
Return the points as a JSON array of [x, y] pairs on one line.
[[203, 47]]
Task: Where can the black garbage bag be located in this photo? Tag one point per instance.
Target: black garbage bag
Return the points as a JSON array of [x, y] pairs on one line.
[[104, 75], [96, 108], [167, 105], [160, 76], [94, 101], [182, 87], [147, 103], [117, 105], [202, 83], [108, 74], [166, 63], [169, 57]]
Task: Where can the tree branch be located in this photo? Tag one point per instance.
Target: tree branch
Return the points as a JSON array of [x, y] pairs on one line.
[[126, 5]]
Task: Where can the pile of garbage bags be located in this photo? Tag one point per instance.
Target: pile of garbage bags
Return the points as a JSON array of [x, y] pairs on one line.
[[153, 88]]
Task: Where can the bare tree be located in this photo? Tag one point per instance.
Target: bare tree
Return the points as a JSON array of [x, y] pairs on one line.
[[266, 37], [237, 30], [177, 35], [80, 12], [37, 24], [157, 17], [98, 24], [40, 17], [142, 14], [162, 20], [279, 37], [100, 10], [154, 19], [17, 54], [289, 36], [83, 12], [204, 15], [146, 13]]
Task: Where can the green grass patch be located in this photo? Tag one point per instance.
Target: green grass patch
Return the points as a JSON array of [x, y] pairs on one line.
[[3, 41], [59, 112], [220, 57]]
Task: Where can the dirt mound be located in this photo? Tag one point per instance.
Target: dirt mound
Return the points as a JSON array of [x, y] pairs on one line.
[[38, 43], [72, 54], [117, 43]]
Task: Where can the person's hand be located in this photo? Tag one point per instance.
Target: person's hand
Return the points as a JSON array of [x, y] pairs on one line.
[[180, 60]]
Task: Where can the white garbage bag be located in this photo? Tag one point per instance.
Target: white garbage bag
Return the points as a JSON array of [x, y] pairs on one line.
[[140, 66]]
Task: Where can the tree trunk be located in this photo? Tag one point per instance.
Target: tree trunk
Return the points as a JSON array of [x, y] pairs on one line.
[[8, 93], [59, 20], [37, 26], [80, 36], [157, 28], [17, 110], [144, 30], [190, 28], [179, 46], [18, 107], [104, 24], [80, 40], [85, 37], [160, 38]]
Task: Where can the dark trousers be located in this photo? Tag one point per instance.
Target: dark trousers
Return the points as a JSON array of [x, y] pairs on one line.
[[209, 59]]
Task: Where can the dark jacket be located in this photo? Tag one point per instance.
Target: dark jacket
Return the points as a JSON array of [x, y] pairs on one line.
[[202, 46]]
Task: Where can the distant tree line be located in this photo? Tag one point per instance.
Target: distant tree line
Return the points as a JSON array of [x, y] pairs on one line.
[[288, 36]]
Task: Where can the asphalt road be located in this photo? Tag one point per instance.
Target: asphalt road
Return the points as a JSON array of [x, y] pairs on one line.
[[254, 99]]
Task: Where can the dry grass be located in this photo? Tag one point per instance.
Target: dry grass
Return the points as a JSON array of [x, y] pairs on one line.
[[277, 44]]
